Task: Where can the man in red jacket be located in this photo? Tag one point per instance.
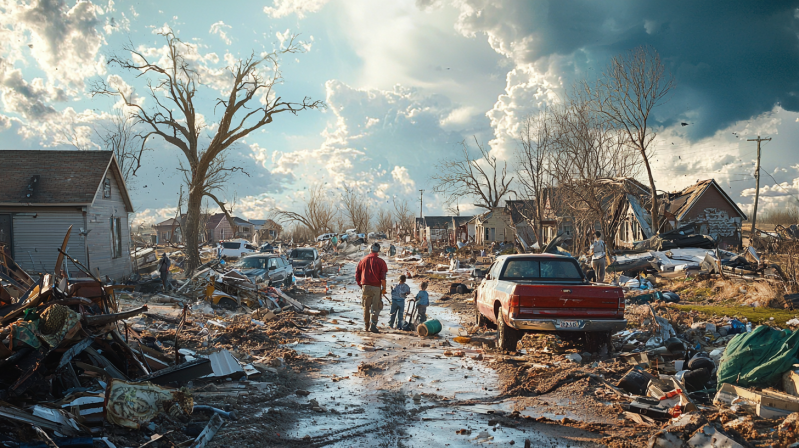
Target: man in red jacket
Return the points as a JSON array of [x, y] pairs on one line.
[[371, 277]]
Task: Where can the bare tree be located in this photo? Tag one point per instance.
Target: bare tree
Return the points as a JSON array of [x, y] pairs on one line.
[[587, 151], [403, 216], [630, 88], [318, 213], [121, 137], [357, 209], [535, 146], [482, 177], [385, 222], [250, 104]]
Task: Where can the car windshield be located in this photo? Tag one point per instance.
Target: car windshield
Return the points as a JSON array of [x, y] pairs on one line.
[[301, 254], [231, 245], [532, 269], [252, 262]]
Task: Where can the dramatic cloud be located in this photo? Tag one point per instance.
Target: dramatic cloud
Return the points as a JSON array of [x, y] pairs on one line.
[[724, 74], [283, 8]]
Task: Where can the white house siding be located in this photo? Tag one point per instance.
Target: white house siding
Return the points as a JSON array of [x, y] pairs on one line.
[[36, 240], [100, 239]]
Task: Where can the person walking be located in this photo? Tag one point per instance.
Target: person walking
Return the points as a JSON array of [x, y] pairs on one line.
[[398, 295], [371, 278], [163, 267], [598, 261]]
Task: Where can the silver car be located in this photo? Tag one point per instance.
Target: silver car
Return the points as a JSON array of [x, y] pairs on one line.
[[261, 267]]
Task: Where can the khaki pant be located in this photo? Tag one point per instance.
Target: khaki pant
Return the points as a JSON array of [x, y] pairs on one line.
[[599, 269], [371, 304]]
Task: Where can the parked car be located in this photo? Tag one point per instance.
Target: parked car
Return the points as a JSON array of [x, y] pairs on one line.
[[262, 267], [377, 236], [325, 237], [306, 261], [267, 248], [237, 248], [547, 293]]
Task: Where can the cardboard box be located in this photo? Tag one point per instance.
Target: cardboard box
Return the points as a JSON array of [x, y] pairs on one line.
[[790, 381], [750, 399]]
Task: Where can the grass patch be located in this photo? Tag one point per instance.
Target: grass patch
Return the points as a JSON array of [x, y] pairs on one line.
[[754, 315]]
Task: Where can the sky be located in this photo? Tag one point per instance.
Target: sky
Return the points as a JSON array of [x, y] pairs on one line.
[[405, 82]]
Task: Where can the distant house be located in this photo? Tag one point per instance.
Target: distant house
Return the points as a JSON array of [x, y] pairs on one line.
[[265, 230], [461, 228], [42, 193], [433, 228], [168, 231], [707, 205], [218, 228], [494, 226]]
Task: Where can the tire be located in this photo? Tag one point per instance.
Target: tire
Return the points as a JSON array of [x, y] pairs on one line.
[[507, 337]]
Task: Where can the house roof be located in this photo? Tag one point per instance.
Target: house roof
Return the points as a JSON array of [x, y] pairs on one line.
[[168, 222], [458, 221], [238, 220], [266, 224], [681, 202], [65, 177], [437, 222], [214, 220]]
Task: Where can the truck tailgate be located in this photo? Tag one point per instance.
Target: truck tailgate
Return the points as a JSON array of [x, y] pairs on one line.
[[588, 301]]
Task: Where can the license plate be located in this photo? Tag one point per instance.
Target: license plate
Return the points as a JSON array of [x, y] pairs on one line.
[[569, 324]]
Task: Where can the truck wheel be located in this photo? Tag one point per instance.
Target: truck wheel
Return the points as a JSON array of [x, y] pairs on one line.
[[507, 337]]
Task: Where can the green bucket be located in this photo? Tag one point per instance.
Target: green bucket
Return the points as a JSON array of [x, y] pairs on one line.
[[429, 328]]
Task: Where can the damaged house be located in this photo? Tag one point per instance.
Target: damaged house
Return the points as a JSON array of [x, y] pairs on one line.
[[43, 193], [265, 230], [704, 204], [169, 231]]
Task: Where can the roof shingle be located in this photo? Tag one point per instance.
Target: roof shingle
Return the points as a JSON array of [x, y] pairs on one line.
[[65, 177]]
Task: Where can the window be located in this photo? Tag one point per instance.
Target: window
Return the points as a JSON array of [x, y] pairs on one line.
[[231, 245], [532, 269], [107, 188], [116, 237], [273, 263]]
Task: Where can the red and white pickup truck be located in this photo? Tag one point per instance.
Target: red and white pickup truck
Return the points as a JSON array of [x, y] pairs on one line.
[[546, 293]]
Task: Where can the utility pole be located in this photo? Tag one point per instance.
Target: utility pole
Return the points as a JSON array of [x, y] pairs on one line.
[[421, 212], [757, 182]]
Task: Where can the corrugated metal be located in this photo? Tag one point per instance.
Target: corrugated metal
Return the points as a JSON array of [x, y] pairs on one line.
[[36, 240], [99, 241]]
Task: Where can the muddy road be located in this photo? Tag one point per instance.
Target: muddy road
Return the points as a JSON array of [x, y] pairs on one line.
[[396, 389]]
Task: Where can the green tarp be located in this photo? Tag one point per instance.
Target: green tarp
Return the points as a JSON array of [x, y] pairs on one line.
[[758, 358]]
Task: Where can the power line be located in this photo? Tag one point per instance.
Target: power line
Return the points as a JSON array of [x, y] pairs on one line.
[[776, 184]]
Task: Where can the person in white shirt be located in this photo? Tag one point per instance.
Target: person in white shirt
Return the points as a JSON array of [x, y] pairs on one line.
[[598, 261]]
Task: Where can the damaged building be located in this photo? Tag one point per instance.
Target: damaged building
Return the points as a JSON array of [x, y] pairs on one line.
[[45, 192], [704, 204]]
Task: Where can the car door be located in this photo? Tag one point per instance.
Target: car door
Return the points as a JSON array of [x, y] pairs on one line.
[[482, 291], [276, 274], [286, 266], [317, 262], [489, 292]]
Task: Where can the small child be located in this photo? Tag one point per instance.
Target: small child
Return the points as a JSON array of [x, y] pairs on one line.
[[398, 294], [422, 302]]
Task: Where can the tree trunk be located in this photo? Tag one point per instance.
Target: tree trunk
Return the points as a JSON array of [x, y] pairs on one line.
[[654, 209], [192, 230]]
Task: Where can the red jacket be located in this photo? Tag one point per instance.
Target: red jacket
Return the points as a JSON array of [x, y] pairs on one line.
[[371, 270]]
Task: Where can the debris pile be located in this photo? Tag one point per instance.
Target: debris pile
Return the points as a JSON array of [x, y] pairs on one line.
[[80, 357]]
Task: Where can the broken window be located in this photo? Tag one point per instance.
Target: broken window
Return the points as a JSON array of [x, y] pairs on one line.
[[116, 237], [107, 188]]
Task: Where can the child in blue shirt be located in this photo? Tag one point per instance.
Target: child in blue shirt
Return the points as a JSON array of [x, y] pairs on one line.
[[398, 294], [422, 302]]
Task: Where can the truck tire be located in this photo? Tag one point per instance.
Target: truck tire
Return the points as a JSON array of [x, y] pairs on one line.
[[594, 340], [507, 337]]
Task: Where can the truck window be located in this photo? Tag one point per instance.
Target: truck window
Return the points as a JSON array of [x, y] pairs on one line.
[[532, 269], [231, 245]]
